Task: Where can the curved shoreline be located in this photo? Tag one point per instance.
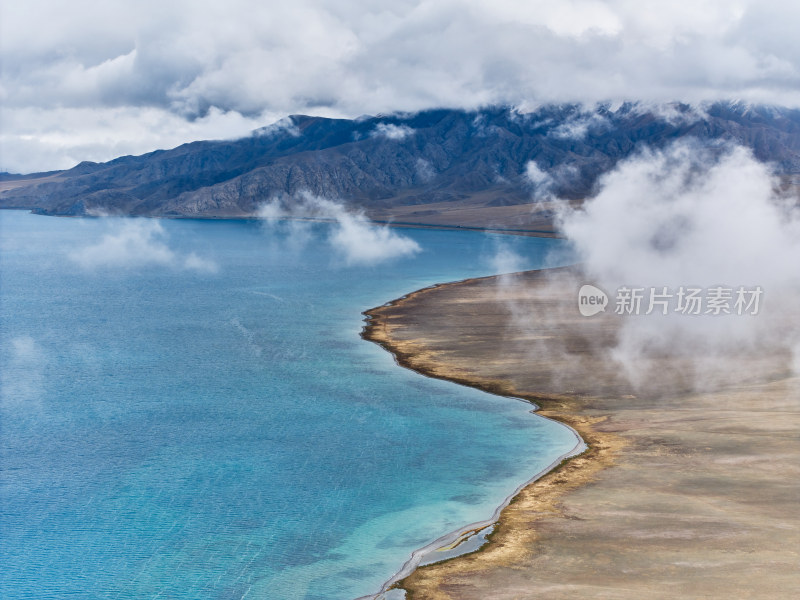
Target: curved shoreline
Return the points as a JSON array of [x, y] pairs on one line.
[[375, 331], [662, 503], [417, 556]]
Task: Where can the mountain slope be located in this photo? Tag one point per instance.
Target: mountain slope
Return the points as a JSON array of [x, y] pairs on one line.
[[464, 163]]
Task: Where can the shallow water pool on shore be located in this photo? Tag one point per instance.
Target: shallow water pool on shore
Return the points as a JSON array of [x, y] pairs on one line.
[[188, 412]]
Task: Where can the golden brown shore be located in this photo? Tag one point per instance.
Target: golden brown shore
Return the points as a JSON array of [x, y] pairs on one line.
[[682, 493]]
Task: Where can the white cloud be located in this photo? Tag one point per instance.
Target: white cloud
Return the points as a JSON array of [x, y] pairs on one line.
[[693, 217], [505, 260], [99, 68], [683, 216], [541, 180], [35, 138], [354, 237], [577, 127], [192, 262], [544, 183], [281, 126], [137, 243], [360, 242], [22, 377], [424, 170], [391, 131]]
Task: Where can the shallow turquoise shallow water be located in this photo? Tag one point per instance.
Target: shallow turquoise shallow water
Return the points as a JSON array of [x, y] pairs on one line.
[[173, 430]]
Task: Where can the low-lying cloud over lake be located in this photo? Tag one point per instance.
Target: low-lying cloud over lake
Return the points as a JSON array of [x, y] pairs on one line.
[[137, 243], [354, 238]]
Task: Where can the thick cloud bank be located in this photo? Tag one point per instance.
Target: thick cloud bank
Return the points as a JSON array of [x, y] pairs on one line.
[[94, 80], [690, 217], [354, 237]]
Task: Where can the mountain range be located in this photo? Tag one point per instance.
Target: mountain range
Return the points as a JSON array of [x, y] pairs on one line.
[[482, 168]]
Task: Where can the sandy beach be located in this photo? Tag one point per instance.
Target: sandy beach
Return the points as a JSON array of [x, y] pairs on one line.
[[686, 491]]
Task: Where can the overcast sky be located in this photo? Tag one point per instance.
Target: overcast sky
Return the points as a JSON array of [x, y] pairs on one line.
[[94, 79]]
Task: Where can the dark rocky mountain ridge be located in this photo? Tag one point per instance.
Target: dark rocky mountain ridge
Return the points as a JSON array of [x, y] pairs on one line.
[[451, 161]]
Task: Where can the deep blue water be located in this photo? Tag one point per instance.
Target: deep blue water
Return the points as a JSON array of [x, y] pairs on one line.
[[190, 413]]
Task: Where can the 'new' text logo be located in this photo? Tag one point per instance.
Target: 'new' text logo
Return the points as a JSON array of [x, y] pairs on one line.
[[591, 300]]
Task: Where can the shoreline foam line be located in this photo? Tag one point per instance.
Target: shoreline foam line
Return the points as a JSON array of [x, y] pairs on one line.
[[449, 538]]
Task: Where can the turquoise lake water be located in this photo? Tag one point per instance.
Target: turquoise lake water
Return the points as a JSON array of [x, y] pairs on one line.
[[188, 411]]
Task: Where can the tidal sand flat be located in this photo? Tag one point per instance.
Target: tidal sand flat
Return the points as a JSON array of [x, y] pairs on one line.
[[685, 492], [188, 411]]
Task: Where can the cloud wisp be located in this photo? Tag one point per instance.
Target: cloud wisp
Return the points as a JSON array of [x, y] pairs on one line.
[[392, 131], [354, 237], [138, 243], [22, 381], [541, 181]]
